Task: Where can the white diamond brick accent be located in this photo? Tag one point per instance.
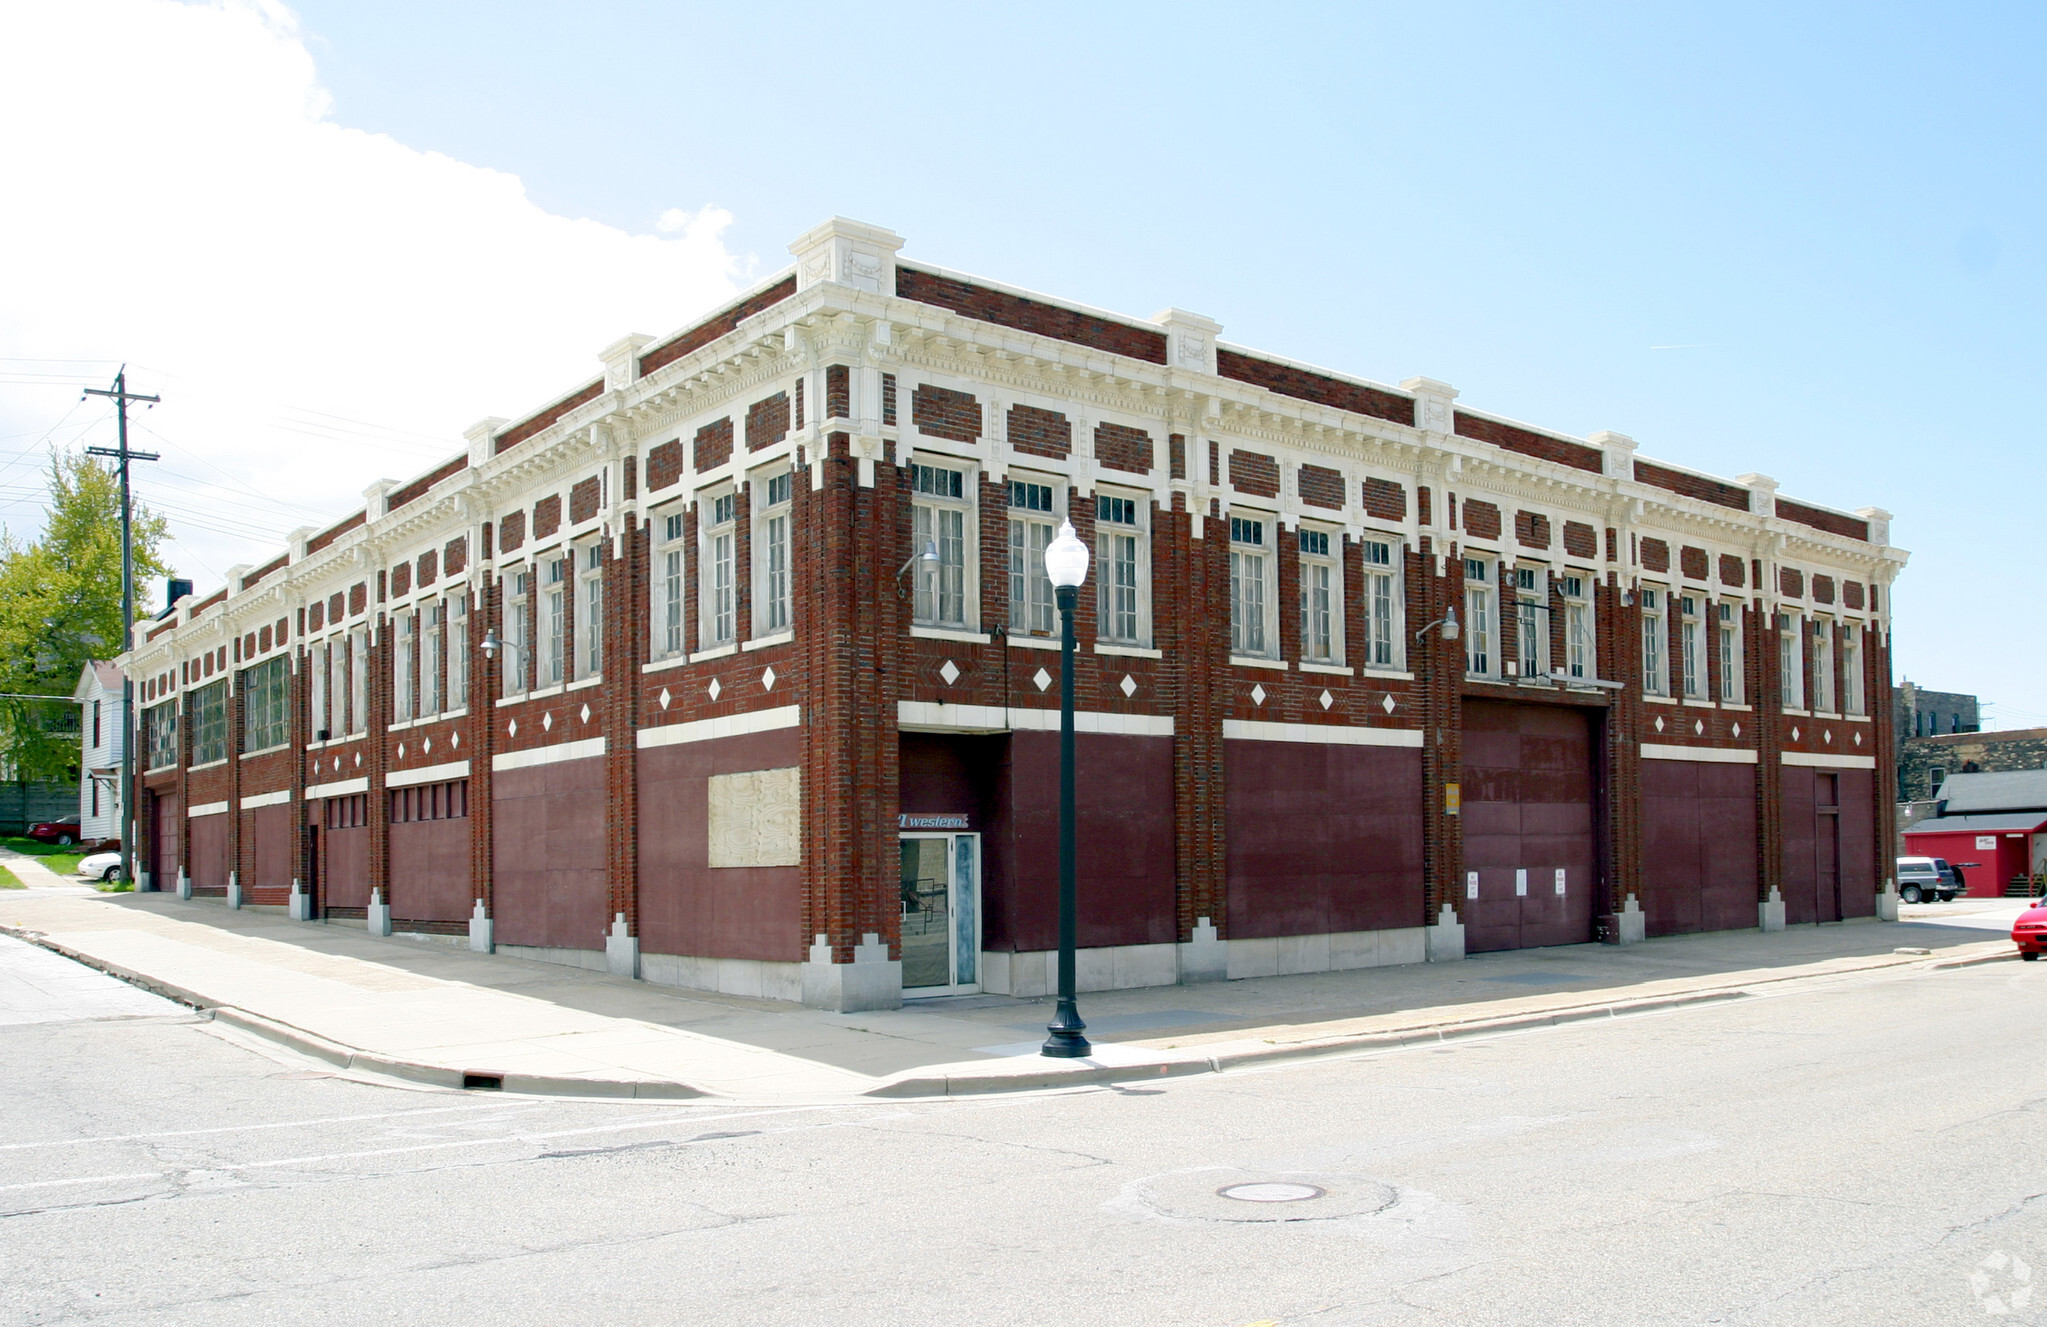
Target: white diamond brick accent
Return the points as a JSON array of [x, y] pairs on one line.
[[1042, 678], [1128, 686], [512, 728], [1699, 727], [1258, 693], [1327, 700], [1659, 723], [714, 688], [665, 698], [1737, 728], [586, 713], [950, 671], [767, 679], [1388, 703], [547, 721]]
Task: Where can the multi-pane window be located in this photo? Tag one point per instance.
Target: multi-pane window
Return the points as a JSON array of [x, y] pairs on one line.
[[458, 652], [771, 551], [1250, 579], [1851, 670], [160, 735], [1321, 593], [1790, 662], [433, 640], [721, 586], [1119, 559], [263, 706], [1030, 530], [1580, 656], [359, 681], [1478, 616], [1655, 644], [1691, 634], [590, 610], [518, 651], [403, 661], [939, 505], [1823, 665], [668, 586], [554, 607], [318, 670], [209, 723], [1531, 620], [1380, 599], [1729, 624], [430, 801]]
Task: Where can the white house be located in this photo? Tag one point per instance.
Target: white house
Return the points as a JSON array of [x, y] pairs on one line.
[[100, 734]]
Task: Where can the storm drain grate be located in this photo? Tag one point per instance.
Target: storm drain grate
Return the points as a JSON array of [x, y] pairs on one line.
[[484, 1082]]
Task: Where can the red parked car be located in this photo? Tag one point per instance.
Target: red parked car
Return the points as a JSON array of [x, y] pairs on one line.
[[2029, 932], [63, 833]]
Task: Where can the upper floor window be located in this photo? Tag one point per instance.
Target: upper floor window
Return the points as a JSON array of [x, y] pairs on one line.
[[1031, 603], [1691, 635], [941, 523], [1655, 644], [1790, 661], [458, 651], [1823, 665], [1581, 657], [209, 723], [359, 680], [1478, 616], [433, 640], [771, 555], [1379, 597], [319, 686], [1251, 632], [1120, 579], [1728, 624], [264, 719], [554, 608], [404, 659], [718, 618], [590, 610], [1321, 596], [669, 582], [160, 735], [1531, 620], [518, 652], [1851, 670]]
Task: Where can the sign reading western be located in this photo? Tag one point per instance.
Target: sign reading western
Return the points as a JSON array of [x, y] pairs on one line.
[[931, 822]]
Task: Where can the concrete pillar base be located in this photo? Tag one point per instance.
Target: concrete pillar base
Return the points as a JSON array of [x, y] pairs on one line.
[[301, 903], [144, 884], [234, 890], [1770, 912], [1887, 904], [1446, 938], [1205, 957], [622, 950], [1633, 923], [480, 938], [377, 919], [184, 885], [872, 980]]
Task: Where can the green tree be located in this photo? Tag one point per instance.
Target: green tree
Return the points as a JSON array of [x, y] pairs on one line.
[[60, 605]]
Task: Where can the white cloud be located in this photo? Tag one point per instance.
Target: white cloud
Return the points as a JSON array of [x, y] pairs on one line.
[[318, 306]]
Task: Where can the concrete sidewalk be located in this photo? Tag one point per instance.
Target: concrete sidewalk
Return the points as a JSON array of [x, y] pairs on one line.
[[439, 1014]]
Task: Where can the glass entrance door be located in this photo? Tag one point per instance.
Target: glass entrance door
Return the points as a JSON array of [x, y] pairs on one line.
[[941, 902]]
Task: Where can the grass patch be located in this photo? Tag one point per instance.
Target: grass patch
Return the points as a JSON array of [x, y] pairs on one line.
[[115, 887], [63, 863], [7, 880], [35, 848]]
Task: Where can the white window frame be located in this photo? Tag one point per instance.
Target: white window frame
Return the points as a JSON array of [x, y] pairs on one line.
[[1851, 668], [1320, 579], [589, 570], [1655, 640], [718, 563], [1727, 615], [1254, 611], [359, 680], [1481, 616], [519, 664], [456, 644], [1382, 602], [1581, 639], [1119, 546], [1035, 503], [1790, 660], [1531, 619], [317, 684], [432, 638], [1823, 697], [555, 573], [947, 594], [404, 653], [1691, 630], [774, 497], [668, 583]]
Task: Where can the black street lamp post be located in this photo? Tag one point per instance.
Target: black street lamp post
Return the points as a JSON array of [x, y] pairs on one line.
[[1066, 560]]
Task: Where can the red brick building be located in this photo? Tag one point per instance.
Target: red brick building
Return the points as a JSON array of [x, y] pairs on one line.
[[775, 705]]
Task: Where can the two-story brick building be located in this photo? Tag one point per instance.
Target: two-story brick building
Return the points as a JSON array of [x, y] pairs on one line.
[[735, 667]]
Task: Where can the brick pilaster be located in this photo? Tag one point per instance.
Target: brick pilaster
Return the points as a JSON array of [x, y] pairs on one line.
[[625, 649]]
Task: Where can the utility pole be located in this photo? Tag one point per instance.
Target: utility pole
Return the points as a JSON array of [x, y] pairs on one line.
[[129, 727]]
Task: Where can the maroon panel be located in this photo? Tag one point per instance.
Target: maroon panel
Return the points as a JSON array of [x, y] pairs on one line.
[[1528, 806], [687, 906], [1858, 843], [347, 884], [1323, 838], [209, 851], [1123, 845], [547, 845], [270, 828], [1698, 846], [948, 774], [164, 840], [430, 870], [1801, 871]]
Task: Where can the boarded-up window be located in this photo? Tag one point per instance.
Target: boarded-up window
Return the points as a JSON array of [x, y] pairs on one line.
[[754, 818]]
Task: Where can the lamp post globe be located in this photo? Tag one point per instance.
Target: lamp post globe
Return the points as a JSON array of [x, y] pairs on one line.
[[1066, 561]]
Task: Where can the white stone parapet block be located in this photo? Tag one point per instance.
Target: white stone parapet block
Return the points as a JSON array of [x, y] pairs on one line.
[[480, 937], [301, 903], [377, 918], [1205, 957], [234, 890], [1770, 912], [1446, 938], [1633, 922], [622, 950]]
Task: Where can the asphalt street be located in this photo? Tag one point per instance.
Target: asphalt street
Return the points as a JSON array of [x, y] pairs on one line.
[[1858, 1150]]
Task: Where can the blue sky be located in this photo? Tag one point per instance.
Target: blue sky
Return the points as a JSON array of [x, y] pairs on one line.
[[1801, 240]]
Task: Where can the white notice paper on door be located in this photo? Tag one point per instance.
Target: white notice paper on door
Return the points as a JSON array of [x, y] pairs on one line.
[[1520, 882], [1471, 884], [1560, 882]]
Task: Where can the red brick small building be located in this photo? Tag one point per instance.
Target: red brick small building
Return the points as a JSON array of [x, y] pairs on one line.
[[775, 705]]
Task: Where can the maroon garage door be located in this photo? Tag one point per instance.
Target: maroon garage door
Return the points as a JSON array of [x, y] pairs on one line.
[[1528, 825]]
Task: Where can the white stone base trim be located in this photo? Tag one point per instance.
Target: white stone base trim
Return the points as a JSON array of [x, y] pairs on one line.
[[593, 959], [301, 909], [1634, 923], [1205, 957], [194, 812], [1034, 973], [1712, 755], [342, 788], [480, 930], [940, 717], [1325, 734], [1827, 760], [377, 917], [1770, 913], [755, 978], [1335, 951], [279, 798], [184, 885], [729, 725], [406, 778], [1445, 940], [621, 949], [1887, 902], [872, 980], [234, 890]]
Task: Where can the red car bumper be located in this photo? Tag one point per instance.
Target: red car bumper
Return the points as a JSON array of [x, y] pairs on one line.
[[2030, 941]]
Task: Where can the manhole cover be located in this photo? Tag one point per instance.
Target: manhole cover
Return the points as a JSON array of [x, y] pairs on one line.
[[1231, 1193], [1271, 1193]]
